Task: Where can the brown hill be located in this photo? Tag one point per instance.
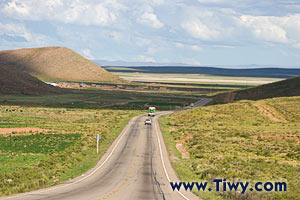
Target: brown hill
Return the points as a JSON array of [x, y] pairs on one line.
[[285, 88], [56, 64], [13, 81]]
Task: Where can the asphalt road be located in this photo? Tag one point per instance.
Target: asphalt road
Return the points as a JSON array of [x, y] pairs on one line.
[[135, 167]]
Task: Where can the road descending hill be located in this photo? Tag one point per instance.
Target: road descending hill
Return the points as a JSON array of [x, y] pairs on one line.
[[285, 88], [56, 64], [13, 81]]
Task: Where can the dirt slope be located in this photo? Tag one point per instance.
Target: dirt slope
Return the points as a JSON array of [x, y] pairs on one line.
[[285, 88], [56, 64], [14, 81]]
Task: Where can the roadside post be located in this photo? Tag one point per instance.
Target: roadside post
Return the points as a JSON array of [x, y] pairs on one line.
[[97, 137]]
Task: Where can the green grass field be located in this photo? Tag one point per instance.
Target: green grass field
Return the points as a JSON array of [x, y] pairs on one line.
[[38, 143], [247, 140], [109, 99], [64, 145], [62, 149]]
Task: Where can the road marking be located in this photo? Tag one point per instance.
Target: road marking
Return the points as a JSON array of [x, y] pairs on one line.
[[96, 169], [72, 183], [124, 182], [163, 163], [129, 173]]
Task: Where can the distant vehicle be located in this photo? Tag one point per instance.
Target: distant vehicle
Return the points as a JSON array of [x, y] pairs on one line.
[[148, 122], [151, 111], [192, 105]]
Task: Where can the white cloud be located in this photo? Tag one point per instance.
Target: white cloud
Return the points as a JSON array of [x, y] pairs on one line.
[[87, 54], [184, 26], [142, 58], [31, 9], [150, 19], [209, 24], [157, 2], [212, 1], [142, 42], [265, 27], [100, 14], [11, 29], [178, 44], [297, 45], [199, 30], [10, 34], [66, 11], [188, 46], [196, 48], [229, 26], [191, 61], [152, 50], [16, 7], [284, 29]]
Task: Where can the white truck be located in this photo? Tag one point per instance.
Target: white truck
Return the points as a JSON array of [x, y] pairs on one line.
[[151, 111]]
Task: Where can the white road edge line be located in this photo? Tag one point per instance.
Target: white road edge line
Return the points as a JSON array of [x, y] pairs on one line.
[[93, 172], [163, 163]]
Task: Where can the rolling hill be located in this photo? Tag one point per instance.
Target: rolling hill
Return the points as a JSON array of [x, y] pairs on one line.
[[13, 81], [244, 140], [56, 64], [286, 88]]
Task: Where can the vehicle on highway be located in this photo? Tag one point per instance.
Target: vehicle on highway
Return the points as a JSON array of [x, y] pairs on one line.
[[148, 122], [192, 105], [151, 111]]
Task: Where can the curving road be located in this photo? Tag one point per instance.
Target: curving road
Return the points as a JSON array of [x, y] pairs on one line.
[[136, 166]]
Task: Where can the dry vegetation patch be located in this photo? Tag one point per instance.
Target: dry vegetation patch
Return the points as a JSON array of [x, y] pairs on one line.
[[269, 112], [21, 130], [246, 140]]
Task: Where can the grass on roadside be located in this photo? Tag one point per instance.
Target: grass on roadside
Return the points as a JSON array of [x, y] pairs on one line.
[[247, 140], [63, 149]]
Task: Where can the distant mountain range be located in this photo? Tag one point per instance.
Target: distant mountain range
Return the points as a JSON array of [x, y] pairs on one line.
[[154, 64], [134, 64], [214, 71]]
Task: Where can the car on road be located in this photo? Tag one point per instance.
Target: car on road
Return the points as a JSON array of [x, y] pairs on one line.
[[148, 122]]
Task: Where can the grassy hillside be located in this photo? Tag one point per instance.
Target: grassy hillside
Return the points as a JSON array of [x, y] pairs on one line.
[[13, 81], [56, 64], [285, 88], [247, 140]]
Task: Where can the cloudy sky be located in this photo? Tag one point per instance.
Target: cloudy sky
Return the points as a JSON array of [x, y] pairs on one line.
[[199, 32]]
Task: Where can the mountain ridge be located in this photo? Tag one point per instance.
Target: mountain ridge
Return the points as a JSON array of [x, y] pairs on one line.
[[56, 64]]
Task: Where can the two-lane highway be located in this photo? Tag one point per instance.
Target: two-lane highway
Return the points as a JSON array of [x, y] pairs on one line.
[[136, 166]]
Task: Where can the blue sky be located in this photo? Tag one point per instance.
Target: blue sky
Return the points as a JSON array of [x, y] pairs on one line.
[[198, 32]]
